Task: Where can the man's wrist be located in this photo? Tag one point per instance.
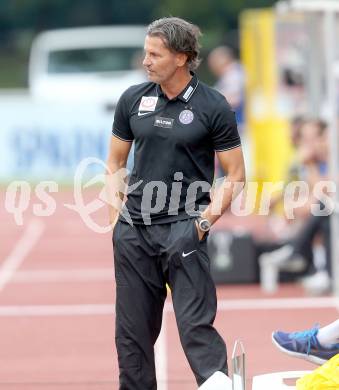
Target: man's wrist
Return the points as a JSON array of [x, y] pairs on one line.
[[204, 224], [207, 214]]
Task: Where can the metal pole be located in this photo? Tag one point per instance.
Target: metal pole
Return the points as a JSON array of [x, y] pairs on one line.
[[314, 82], [330, 52], [329, 8]]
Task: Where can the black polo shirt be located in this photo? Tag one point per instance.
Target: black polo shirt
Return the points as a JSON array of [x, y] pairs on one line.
[[175, 144]]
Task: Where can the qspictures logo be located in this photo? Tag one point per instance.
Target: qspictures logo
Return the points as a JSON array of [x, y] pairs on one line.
[[114, 190]]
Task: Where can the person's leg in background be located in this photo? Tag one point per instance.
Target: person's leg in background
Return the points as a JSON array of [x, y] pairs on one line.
[[295, 255], [316, 345], [303, 243], [329, 334], [319, 281]]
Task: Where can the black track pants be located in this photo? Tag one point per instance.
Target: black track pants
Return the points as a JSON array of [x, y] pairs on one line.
[[146, 258]]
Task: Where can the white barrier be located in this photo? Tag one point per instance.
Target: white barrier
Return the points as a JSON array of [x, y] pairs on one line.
[[46, 141], [275, 380]]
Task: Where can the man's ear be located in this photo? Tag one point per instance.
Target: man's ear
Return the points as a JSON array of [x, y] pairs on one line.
[[181, 59]]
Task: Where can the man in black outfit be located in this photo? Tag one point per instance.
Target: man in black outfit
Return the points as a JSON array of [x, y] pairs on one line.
[[159, 237]]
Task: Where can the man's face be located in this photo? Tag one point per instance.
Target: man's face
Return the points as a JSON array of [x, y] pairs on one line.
[[160, 63]]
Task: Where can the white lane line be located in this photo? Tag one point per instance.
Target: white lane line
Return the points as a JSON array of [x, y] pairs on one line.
[[278, 303], [161, 356], [70, 275], [223, 305], [56, 310], [21, 249]]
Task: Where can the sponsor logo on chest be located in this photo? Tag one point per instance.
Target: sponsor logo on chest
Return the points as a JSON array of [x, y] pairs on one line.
[[163, 122]]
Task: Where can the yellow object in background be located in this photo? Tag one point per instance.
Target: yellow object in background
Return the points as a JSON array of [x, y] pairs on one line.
[[267, 125], [325, 377]]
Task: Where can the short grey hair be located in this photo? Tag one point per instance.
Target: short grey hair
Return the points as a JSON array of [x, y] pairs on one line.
[[179, 36]]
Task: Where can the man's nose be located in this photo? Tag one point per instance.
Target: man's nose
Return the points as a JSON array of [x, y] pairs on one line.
[[146, 61]]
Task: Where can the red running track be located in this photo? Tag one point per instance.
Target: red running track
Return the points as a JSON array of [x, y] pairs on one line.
[[57, 310]]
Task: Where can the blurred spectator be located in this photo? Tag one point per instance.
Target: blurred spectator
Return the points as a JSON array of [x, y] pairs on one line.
[[295, 126], [231, 79], [231, 83], [295, 254], [293, 168]]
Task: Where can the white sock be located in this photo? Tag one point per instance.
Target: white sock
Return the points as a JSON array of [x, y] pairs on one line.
[[329, 334]]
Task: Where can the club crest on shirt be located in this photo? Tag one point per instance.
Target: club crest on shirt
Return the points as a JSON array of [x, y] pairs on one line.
[[186, 117], [148, 103]]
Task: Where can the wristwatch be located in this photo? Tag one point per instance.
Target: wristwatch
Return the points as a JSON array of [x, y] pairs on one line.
[[204, 224]]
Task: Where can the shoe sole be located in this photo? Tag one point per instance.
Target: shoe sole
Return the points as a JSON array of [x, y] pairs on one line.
[[310, 358]]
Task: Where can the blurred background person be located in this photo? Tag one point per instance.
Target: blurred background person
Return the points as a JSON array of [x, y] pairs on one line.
[[231, 83], [230, 79], [304, 234]]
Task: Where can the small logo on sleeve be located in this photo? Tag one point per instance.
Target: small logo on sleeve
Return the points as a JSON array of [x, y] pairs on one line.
[[163, 122]]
